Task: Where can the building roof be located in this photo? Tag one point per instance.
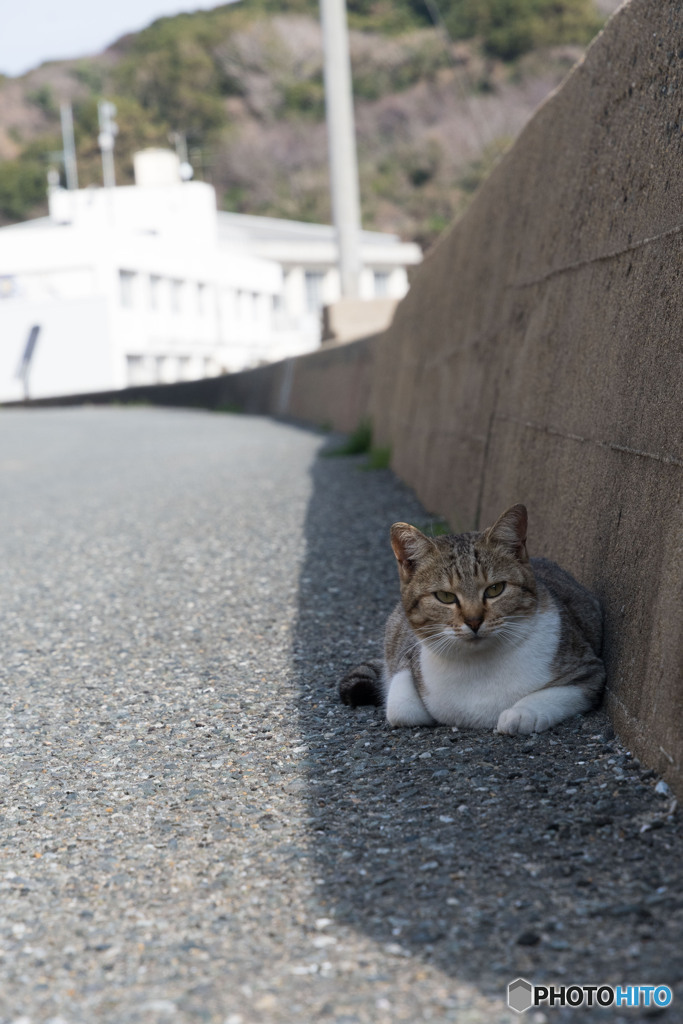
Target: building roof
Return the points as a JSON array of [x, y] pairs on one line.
[[240, 226], [36, 222], [294, 242]]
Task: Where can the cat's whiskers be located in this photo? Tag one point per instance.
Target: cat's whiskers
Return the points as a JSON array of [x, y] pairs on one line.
[[433, 642], [444, 639], [443, 645], [441, 639], [513, 631], [415, 645]]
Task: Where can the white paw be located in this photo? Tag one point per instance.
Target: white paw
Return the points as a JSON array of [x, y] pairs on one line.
[[408, 715], [404, 707], [522, 720]]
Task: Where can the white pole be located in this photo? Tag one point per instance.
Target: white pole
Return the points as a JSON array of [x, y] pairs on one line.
[[108, 132], [69, 146], [342, 143]]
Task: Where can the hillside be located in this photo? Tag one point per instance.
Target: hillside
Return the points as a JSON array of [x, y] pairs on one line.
[[435, 106]]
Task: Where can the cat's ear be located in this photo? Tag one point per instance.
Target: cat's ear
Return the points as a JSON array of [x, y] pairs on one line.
[[510, 532], [410, 547]]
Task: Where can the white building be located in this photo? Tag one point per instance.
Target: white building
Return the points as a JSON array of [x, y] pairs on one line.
[[149, 283], [307, 254]]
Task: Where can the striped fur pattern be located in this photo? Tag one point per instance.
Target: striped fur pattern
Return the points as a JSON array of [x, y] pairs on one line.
[[483, 637]]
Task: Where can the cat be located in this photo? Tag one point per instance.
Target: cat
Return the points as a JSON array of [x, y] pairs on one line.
[[483, 637]]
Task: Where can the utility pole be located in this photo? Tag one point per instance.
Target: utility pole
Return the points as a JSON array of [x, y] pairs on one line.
[[342, 143], [108, 132], [69, 146]]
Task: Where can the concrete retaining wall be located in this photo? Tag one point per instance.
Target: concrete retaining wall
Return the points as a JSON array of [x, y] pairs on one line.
[[537, 358], [330, 388]]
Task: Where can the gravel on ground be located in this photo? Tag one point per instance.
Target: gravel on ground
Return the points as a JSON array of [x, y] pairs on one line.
[[194, 829]]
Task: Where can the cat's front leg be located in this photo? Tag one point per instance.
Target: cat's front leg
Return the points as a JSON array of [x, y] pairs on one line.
[[540, 710], [404, 705]]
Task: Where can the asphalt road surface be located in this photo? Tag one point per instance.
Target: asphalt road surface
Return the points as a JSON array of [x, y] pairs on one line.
[[192, 828]]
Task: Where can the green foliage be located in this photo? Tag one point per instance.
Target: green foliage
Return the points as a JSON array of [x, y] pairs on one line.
[[311, 7], [177, 83], [236, 198], [387, 15], [172, 69], [232, 408], [435, 225], [91, 76], [417, 57], [38, 150], [509, 28], [360, 443], [23, 186], [357, 443], [378, 458], [44, 99], [422, 165], [478, 170], [304, 98]]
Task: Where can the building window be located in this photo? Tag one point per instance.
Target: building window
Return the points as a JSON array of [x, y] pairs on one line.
[[127, 288], [135, 367], [154, 292], [161, 369], [261, 308], [201, 299], [381, 283], [244, 307], [314, 290], [176, 296], [228, 303]]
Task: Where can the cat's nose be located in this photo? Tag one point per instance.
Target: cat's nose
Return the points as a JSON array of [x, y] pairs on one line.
[[474, 624]]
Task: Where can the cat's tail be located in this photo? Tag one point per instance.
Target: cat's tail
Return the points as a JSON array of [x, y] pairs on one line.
[[363, 684]]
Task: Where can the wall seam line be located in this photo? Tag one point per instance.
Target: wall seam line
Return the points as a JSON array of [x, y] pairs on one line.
[[578, 264], [669, 460]]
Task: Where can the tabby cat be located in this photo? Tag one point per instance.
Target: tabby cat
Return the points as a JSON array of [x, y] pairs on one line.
[[483, 636]]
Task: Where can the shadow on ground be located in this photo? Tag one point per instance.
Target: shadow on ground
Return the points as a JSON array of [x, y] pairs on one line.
[[551, 857]]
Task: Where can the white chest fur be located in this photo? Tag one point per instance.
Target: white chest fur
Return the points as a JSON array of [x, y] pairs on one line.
[[472, 688]]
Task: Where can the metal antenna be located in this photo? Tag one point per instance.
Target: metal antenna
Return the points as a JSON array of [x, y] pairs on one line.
[[342, 143], [108, 132], [68, 142]]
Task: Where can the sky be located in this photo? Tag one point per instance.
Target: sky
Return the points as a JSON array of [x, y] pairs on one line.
[[34, 31]]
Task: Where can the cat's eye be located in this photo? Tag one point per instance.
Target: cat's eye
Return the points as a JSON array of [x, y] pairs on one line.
[[445, 596], [495, 590]]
